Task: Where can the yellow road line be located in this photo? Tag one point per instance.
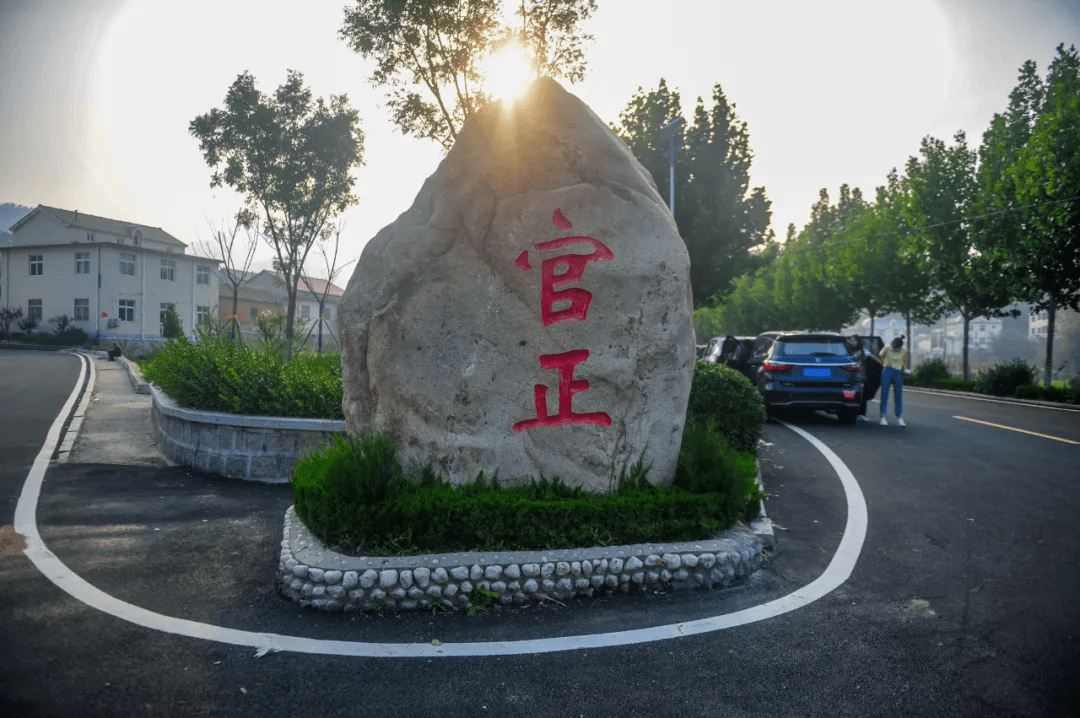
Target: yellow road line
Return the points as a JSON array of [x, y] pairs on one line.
[[1013, 428]]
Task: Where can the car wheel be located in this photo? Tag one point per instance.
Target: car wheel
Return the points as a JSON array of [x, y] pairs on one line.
[[847, 416]]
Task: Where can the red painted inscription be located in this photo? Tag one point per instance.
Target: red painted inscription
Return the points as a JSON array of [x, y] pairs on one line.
[[572, 270]]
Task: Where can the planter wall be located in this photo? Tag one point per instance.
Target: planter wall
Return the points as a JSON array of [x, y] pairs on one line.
[[256, 448]]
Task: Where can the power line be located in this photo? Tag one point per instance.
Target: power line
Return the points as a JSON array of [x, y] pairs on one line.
[[912, 230]]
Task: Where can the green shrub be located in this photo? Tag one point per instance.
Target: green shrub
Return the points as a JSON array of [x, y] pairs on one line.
[[1004, 379], [726, 397], [1062, 395], [354, 495], [930, 371], [71, 337], [216, 374], [954, 384]]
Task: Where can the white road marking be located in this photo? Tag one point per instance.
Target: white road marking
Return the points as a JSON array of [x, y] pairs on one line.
[[837, 572]]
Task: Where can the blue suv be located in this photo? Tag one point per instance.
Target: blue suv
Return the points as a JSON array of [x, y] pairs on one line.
[[809, 370]]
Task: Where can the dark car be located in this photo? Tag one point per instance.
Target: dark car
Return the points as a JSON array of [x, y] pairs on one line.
[[809, 370]]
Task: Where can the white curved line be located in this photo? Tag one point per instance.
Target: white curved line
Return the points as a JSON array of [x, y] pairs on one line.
[[838, 571]]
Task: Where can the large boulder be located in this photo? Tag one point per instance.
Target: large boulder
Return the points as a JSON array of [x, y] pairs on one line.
[[531, 312]]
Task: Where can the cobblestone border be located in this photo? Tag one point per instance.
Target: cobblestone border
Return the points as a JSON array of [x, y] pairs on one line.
[[313, 576], [255, 448]]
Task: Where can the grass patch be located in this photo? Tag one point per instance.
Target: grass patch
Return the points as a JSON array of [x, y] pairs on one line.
[[354, 495]]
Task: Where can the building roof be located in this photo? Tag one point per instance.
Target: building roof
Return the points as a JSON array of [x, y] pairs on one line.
[[93, 223], [313, 284]]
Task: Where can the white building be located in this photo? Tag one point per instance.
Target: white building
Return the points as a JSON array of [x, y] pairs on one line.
[[116, 279], [982, 332]]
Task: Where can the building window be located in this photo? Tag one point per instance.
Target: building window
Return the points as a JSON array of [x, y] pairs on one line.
[[82, 310], [89, 236], [82, 263], [254, 313], [127, 264], [37, 265], [305, 311], [165, 307], [33, 309], [326, 312], [168, 270], [127, 310], [202, 314], [202, 274]]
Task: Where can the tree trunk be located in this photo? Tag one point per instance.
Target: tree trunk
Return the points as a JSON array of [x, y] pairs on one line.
[[967, 321], [871, 325], [910, 348], [321, 311], [234, 323], [290, 313], [1048, 369]]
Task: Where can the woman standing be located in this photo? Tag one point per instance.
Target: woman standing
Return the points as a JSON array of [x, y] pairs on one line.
[[894, 357], [871, 365]]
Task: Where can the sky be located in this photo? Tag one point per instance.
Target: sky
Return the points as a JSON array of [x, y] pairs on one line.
[[96, 95]]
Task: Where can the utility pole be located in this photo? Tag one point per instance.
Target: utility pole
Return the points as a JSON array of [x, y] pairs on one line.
[[670, 132]]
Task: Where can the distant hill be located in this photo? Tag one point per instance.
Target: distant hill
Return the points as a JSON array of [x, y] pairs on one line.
[[10, 214]]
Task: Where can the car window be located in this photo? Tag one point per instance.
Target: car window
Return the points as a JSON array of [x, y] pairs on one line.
[[811, 348]]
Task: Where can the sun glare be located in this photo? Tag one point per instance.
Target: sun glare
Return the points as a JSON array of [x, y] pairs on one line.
[[507, 72]]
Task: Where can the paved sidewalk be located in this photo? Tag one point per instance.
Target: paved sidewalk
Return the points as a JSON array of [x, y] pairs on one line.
[[116, 428]]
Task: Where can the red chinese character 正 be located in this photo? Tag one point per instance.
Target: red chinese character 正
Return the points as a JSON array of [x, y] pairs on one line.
[[568, 386]]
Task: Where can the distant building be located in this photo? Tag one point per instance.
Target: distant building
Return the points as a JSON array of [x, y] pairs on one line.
[[263, 294], [115, 279]]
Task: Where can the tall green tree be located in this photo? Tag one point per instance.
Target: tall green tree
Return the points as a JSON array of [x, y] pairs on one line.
[[723, 218], [428, 54], [720, 217], [1031, 158], [291, 157], [942, 190], [639, 127]]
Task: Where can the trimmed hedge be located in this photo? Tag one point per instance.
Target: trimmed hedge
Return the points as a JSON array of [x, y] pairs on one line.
[[724, 396], [355, 497], [217, 374]]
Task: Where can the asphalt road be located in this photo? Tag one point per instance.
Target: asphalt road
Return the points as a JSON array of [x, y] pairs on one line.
[[963, 600]]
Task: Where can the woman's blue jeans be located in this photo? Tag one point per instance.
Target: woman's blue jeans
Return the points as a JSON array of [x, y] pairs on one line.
[[892, 378]]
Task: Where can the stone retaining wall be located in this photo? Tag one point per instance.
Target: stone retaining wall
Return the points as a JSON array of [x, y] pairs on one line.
[[313, 576], [257, 448]]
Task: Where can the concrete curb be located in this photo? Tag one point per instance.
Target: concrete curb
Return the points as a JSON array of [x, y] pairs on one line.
[[140, 385], [1006, 399]]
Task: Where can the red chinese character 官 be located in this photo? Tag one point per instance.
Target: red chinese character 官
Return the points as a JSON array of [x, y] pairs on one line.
[[575, 269]]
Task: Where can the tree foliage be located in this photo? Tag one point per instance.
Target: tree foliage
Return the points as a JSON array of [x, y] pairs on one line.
[[428, 54], [291, 157], [1031, 165], [720, 217]]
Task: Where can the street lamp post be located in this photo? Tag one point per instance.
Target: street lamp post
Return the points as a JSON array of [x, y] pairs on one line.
[[670, 132]]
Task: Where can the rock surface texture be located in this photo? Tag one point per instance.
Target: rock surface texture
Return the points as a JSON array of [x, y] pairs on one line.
[[531, 312]]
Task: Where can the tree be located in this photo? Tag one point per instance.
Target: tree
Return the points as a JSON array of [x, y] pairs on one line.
[[942, 183], [719, 216], [234, 266], [9, 315], [62, 322], [1040, 245], [173, 328], [723, 218], [291, 158], [331, 268], [639, 127], [428, 53]]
